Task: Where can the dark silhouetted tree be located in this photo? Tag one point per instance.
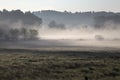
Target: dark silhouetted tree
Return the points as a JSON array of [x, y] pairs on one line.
[[53, 24], [14, 33], [33, 34], [24, 33]]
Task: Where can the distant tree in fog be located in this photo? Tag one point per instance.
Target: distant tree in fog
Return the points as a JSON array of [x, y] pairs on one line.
[[19, 34], [29, 33], [33, 33], [9, 18], [14, 34], [101, 20], [24, 33], [53, 24], [27, 18], [99, 37]]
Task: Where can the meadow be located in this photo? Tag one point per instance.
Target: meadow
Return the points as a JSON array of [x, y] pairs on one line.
[[30, 64]]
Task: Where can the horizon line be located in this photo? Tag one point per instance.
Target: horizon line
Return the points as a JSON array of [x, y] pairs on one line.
[[60, 11]]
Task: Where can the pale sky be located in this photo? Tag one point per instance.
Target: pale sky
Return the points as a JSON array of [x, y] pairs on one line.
[[61, 5]]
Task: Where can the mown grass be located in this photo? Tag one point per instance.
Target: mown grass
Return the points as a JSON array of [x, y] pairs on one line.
[[35, 65]]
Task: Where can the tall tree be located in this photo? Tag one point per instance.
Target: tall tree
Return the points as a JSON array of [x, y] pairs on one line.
[[14, 34], [24, 33], [33, 34]]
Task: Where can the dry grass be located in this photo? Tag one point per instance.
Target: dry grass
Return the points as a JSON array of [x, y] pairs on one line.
[[18, 64]]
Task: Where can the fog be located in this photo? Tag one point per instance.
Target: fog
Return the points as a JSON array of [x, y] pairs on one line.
[[109, 31], [82, 37], [81, 32], [55, 33]]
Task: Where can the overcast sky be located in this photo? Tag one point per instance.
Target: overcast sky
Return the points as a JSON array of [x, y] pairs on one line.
[[61, 5]]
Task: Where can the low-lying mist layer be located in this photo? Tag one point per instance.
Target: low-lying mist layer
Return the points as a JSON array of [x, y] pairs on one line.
[[107, 32], [104, 26], [79, 25]]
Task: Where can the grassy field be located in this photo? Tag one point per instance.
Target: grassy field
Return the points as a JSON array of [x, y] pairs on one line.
[[24, 64]]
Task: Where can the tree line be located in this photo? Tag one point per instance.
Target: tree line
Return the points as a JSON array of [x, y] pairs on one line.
[[9, 31], [18, 34]]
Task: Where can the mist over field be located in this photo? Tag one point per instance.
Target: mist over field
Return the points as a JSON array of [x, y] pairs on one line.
[[53, 28], [79, 32], [79, 25], [59, 39]]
